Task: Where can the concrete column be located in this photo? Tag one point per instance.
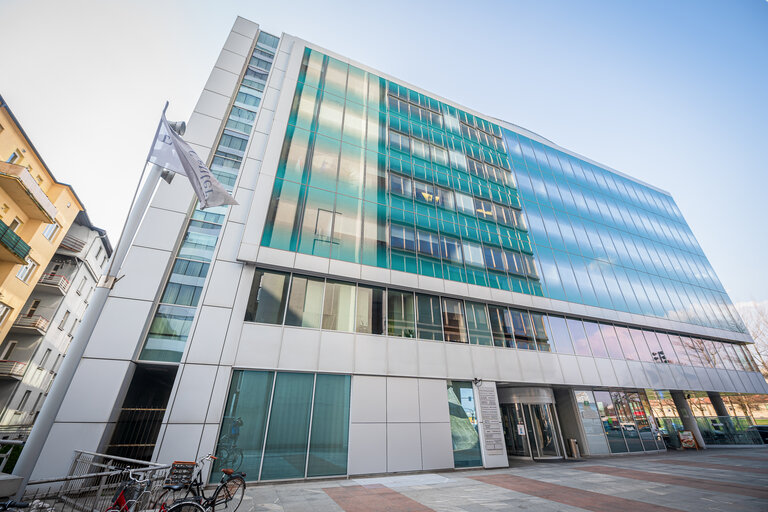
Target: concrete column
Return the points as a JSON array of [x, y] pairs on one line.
[[686, 415]]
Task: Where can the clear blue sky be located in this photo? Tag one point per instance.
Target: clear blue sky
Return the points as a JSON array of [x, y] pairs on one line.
[[671, 92]]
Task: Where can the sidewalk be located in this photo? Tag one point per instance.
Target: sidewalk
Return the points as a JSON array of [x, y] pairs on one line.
[[714, 480]]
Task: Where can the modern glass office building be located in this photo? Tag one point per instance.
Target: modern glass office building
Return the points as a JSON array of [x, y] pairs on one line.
[[406, 285]]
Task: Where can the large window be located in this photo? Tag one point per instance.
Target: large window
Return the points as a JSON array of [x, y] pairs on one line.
[[429, 326], [305, 302], [400, 314], [266, 302], [298, 423], [370, 310], [453, 320], [26, 271], [339, 306]]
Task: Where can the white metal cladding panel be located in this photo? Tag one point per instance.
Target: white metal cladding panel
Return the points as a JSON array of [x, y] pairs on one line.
[[432, 361], [300, 349], [195, 386], [337, 352], [436, 446], [550, 368], [530, 368], [402, 356], [403, 447], [119, 329], [605, 371], [367, 448], [94, 391], [207, 342], [571, 371], [484, 363], [589, 371], [371, 354]]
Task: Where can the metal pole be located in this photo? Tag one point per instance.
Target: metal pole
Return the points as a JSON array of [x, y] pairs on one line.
[[44, 423]]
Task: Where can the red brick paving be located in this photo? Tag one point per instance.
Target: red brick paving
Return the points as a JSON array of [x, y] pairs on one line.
[[587, 500], [726, 467], [373, 498], [666, 478]]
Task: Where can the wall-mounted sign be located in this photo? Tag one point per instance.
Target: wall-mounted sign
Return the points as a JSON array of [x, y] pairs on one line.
[[520, 429]]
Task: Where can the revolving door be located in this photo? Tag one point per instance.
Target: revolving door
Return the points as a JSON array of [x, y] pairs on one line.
[[530, 423]]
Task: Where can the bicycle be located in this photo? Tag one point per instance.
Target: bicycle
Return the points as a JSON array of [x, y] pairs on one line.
[[12, 505], [225, 498], [134, 494]]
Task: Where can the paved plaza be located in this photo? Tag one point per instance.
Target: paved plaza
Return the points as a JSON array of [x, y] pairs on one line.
[[730, 480]]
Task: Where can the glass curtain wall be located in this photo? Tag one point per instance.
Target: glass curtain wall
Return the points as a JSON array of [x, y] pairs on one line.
[[283, 425], [627, 421], [304, 301]]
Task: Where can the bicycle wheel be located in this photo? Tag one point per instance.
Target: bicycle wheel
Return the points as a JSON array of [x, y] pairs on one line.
[[229, 495], [167, 498], [186, 506]]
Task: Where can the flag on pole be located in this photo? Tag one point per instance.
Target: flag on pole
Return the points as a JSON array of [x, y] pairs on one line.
[[171, 152]]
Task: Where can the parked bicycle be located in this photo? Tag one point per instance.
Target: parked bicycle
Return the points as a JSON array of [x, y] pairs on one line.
[[132, 491], [225, 498], [12, 505]]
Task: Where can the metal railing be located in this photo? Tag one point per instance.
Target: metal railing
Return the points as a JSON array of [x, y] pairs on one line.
[[57, 280], [727, 430], [6, 453], [12, 368], [38, 322], [92, 482], [13, 242]]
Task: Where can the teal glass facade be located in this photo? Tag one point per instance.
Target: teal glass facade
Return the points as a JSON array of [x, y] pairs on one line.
[[374, 173], [170, 325], [605, 240], [285, 425]]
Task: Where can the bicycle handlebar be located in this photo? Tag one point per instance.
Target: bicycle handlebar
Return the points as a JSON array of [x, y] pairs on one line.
[[5, 505]]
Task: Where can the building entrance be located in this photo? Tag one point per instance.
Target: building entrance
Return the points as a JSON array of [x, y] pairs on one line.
[[530, 423]]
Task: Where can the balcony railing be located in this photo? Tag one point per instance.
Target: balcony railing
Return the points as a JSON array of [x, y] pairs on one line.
[[12, 369], [37, 322], [56, 280], [12, 247]]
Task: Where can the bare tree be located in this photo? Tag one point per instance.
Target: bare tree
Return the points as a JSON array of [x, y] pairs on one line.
[[755, 316]]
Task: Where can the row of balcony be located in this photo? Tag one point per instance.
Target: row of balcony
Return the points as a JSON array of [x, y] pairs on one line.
[[12, 369]]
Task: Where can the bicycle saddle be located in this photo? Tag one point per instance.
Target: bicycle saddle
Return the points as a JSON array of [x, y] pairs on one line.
[[228, 471], [174, 487]]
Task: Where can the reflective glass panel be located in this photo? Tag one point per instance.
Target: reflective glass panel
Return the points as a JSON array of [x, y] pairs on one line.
[[429, 326], [400, 314], [478, 324], [285, 453], [266, 302], [305, 302], [560, 335], [453, 321], [330, 426], [464, 434], [370, 310], [339, 306]]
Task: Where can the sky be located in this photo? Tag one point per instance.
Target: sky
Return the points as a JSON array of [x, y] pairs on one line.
[[672, 93]]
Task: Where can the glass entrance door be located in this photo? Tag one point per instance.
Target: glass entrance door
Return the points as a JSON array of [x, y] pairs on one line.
[[515, 433], [530, 430]]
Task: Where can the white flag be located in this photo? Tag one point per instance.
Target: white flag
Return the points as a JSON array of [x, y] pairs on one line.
[[170, 152]]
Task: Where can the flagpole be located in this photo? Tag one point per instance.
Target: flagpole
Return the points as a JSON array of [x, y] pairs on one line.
[[45, 420]]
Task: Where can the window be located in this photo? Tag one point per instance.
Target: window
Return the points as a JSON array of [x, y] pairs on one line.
[[33, 307], [400, 314], [98, 252], [400, 185], [521, 322], [466, 440], [473, 254], [64, 320], [15, 224], [5, 310], [477, 324], [305, 302], [501, 327], [266, 303], [37, 401], [453, 321], [541, 332], [595, 339], [451, 250], [339, 306], [428, 244], [24, 400], [81, 286], [26, 271], [13, 158], [370, 310], [402, 238], [560, 335], [8, 351], [428, 317], [45, 358], [51, 230]]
